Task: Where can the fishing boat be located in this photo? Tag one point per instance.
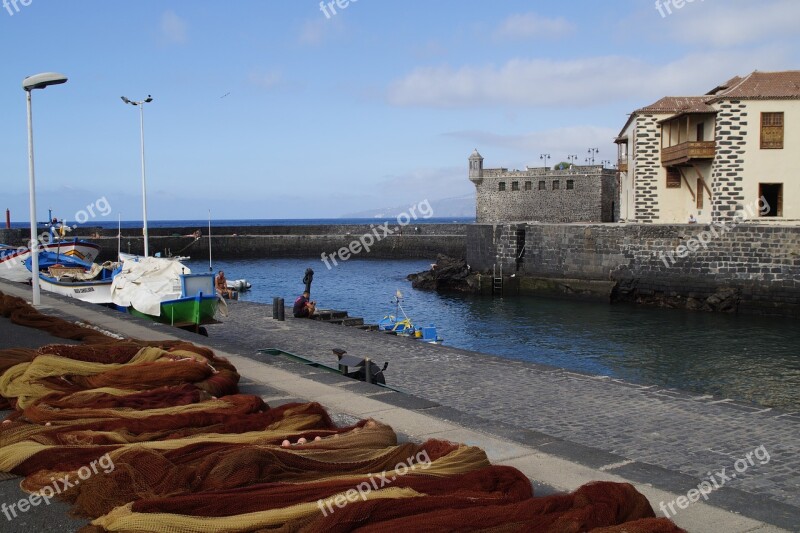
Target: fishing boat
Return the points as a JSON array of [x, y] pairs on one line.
[[12, 258], [69, 276], [401, 325], [165, 290]]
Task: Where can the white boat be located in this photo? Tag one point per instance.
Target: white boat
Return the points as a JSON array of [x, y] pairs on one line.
[[12, 258], [85, 281], [93, 292]]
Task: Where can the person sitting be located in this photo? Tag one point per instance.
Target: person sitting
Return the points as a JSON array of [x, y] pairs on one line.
[[303, 307], [222, 286], [692, 220]]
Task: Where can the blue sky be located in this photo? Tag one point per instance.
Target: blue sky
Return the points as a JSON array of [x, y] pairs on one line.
[[270, 109]]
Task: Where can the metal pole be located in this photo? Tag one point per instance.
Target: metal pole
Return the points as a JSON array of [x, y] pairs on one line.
[[144, 183], [33, 244], [210, 269]]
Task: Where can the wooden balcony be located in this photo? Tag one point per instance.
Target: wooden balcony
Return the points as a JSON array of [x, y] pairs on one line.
[[688, 151], [622, 165]]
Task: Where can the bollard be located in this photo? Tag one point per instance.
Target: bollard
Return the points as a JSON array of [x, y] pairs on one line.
[[275, 308], [281, 310], [367, 370]]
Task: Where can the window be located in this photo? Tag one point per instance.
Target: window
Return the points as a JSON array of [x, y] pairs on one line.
[[772, 194], [502, 186], [514, 185], [700, 192], [673, 178], [542, 186], [570, 184], [771, 131], [528, 186], [556, 185]]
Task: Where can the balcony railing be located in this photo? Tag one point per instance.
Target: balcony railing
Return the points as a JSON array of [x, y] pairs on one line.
[[688, 151], [622, 164]]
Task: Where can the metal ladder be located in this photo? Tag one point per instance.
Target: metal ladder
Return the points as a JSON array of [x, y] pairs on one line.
[[497, 281]]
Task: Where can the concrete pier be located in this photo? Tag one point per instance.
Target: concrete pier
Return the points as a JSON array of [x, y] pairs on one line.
[[562, 429]]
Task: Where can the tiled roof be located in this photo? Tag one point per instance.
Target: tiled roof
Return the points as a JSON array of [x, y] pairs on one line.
[[763, 86], [676, 104], [755, 86]]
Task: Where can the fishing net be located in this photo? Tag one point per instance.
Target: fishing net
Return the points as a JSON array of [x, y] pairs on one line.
[[160, 440]]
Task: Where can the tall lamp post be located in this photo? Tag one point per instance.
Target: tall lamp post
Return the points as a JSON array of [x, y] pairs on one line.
[[545, 157], [592, 154], [140, 104], [29, 84], [572, 159]]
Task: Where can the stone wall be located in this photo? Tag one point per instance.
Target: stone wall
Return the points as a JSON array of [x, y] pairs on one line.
[[591, 198], [757, 267], [423, 241], [727, 170], [648, 165]]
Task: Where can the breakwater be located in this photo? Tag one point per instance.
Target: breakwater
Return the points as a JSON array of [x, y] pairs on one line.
[[749, 268], [422, 241]]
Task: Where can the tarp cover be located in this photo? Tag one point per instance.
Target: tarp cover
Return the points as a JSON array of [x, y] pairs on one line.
[[145, 283]]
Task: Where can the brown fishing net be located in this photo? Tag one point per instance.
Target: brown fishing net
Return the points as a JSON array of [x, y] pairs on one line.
[[154, 437]]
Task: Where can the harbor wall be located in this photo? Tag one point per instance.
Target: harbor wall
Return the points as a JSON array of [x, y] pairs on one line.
[[283, 246], [749, 268]]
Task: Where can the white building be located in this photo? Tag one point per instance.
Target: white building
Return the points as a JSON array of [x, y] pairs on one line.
[[715, 155]]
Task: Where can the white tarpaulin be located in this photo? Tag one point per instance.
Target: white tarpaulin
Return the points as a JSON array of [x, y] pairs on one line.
[[145, 283]]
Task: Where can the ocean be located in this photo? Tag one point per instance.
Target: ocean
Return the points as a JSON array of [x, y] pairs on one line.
[[106, 223]]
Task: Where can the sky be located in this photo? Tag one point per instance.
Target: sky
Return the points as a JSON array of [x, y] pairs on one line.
[[279, 109]]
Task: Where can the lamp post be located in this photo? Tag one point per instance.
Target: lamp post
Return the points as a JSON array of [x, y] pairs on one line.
[[592, 153], [572, 159], [605, 163], [140, 104], [545, 157], [29, 84]]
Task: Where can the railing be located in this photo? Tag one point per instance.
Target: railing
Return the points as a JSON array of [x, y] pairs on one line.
[[685, 152], [622, 164]]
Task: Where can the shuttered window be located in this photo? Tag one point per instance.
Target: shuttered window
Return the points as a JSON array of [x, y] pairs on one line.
[[673, 178], [771, 131]]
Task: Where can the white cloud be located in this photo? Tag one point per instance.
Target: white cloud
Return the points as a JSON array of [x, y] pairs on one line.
[[558, 142], [533, 26], [173, 28], [576, 82], [315, 31], [734, 22], [266, 79]]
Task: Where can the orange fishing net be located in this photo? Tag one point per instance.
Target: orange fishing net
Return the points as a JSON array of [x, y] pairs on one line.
[[161, 441]]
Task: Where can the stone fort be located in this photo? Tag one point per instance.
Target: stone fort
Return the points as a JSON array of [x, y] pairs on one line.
[[576, 194]]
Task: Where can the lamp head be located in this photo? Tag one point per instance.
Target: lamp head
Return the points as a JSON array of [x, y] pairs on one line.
[[148, 99], [40, 81]]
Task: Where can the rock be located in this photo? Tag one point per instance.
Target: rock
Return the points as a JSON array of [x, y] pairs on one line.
[[448, 274]]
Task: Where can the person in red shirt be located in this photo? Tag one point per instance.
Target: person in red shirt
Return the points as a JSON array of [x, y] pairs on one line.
[[303, 307]]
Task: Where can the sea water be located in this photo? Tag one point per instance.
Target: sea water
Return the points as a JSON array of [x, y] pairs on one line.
[[746, 358]]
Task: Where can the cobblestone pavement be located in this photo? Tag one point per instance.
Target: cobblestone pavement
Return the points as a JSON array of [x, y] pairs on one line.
[[679, 432]]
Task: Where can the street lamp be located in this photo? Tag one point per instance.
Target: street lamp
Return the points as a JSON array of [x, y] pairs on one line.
[[545, 157], [572, 159], [141, 103], [592, 153], [605, 163], [29, 84]]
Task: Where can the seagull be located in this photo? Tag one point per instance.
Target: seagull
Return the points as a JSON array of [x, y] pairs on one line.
[[224, 95]]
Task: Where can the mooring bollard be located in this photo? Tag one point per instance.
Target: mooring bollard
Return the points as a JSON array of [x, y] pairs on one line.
[[281, 310], [278, 309], [367, 370]]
